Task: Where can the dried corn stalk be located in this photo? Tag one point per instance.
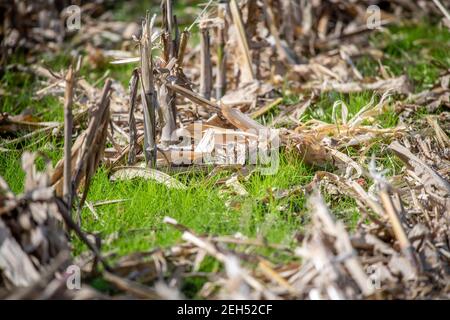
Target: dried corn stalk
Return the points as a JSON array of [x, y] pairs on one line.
[[31, 233], [88, 149], [148, 95]]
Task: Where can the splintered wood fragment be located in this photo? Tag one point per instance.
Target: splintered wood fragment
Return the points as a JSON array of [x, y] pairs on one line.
[[68, 124], [134, 84], [205, 64], [248, 75], [192, 96], [241, 120]]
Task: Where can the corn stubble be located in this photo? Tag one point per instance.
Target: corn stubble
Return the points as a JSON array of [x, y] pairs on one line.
[[400, 246]]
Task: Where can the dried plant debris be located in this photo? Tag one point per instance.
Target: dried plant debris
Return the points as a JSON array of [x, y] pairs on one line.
[[32, 238], [88, 149], [44, 26], [401, 253], [35, 248], [208, 106]]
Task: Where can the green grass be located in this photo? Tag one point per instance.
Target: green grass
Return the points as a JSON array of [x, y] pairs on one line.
[[202, 207], [20, 87], [323, 109], [19, 96], [10, 162], [94, 74], [419, 51], [185, 10]]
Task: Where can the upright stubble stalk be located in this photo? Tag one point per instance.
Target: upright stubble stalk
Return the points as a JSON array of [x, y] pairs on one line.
[[68, 124], [170, 43], [148, 94], [221, 79], [205, 65]]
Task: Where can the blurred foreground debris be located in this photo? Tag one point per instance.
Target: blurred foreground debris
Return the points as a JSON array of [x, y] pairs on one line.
[[398, 250]]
